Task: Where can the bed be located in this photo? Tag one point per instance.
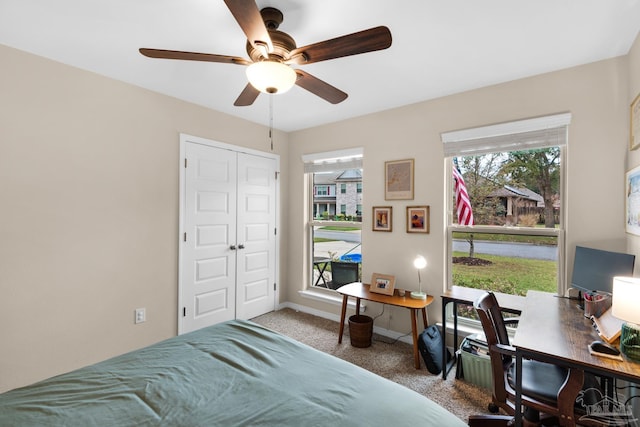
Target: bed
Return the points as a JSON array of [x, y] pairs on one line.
[[235, 373]]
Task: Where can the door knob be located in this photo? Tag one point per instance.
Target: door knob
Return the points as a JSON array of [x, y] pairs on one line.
[[232, 247], [240, 246]]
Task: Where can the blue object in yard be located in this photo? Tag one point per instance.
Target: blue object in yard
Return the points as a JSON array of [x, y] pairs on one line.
[[351, 258]]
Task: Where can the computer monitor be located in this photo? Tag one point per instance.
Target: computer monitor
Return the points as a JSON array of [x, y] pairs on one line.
[[594, 269]]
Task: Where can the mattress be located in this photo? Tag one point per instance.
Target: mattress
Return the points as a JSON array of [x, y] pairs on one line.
[[235, 373]]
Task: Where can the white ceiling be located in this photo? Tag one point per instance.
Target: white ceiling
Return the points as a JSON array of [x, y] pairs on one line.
[[440, 47]]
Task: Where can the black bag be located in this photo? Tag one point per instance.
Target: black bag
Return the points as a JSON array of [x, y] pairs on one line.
[[430, 346]]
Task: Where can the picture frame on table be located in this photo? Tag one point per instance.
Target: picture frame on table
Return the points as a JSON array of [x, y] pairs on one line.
[[382, 283], [417, 219], [382, 218], [398, 179], [632, 201]]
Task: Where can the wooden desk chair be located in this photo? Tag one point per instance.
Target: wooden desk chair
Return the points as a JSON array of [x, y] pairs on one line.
[[343, 273], [547, 390]]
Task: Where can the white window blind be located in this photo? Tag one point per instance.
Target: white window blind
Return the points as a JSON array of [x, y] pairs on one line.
[[539, 132], [333, 160]]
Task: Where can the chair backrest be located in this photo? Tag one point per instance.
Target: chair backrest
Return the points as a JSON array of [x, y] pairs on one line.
[[491, 318], [343, 273], [495, 332]]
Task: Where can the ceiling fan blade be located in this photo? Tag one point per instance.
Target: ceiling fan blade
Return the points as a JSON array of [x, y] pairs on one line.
[[193, 56], [247, 96], [318, 87], [370, 40], [247, 14]]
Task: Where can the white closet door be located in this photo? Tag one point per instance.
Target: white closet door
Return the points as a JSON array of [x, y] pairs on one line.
[[255, 293], [228, 249], [208, 282]]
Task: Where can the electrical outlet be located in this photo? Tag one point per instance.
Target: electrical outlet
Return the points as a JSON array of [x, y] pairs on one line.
[[141, 315]]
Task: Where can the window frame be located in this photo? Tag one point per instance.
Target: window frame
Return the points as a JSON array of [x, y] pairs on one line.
[[507, 129], [314, 163], [559, 232]]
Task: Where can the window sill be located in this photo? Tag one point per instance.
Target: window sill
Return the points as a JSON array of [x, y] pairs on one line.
[[330, 297]]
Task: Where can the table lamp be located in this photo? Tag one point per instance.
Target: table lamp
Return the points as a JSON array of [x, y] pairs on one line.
[[626, 296], [419, 263]]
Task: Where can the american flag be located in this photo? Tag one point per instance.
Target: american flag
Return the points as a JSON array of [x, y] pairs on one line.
[[463, 204]]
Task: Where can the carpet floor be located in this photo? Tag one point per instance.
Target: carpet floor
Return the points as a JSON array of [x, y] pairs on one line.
[[391, 360]]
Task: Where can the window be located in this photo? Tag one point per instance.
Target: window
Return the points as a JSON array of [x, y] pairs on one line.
[[321, 190], [335, 222], [510, 240]]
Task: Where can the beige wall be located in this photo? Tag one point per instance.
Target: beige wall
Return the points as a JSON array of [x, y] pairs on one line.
[[88, 186], [595, 94], [633, 158], [89, 192]]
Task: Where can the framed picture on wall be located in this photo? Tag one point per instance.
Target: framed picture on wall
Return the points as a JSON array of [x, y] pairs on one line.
[[632, 201], [382, 283], [635, 123], [398, 180], [417, 219], [382, 218]]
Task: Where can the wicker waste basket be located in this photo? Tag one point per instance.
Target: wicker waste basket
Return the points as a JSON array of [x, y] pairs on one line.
[[360, 330]]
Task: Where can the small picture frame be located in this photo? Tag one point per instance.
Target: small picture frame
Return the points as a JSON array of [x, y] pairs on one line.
[[382, 283], [398, 180], [634, 110], [417, 219], [382, 218]]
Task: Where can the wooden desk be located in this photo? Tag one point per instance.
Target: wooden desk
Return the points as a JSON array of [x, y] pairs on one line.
[[552, 329], [467, 296], [361, 291]]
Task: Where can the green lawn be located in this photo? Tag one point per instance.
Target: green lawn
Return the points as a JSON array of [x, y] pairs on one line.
[[332, 228], [507, 274]]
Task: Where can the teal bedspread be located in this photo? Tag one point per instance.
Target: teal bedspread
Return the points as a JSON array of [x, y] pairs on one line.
[[232, 374]]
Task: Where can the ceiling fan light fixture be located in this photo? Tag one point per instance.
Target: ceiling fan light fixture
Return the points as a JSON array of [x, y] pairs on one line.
[[271, 76]]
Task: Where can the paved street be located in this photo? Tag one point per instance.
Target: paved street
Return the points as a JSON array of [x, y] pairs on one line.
[[516, 250], [349, 242]]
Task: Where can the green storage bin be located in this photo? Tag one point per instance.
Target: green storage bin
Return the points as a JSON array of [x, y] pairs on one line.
[[476, 365]]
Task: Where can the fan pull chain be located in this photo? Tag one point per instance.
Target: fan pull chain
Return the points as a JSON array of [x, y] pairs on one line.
[[271, 120]]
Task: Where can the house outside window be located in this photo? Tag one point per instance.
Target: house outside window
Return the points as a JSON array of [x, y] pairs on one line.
[[513, 176], [335, 221]]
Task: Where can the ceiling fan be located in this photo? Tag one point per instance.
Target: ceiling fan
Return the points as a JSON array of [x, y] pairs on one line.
[[272, 53]]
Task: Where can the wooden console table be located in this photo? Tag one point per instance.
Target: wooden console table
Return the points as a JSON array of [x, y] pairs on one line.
[[361, 291]]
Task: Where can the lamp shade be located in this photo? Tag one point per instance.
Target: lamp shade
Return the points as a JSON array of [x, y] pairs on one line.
[[271, 76], [626, 297], [419, 262]]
